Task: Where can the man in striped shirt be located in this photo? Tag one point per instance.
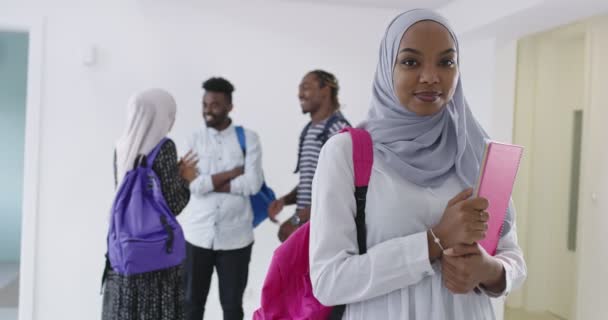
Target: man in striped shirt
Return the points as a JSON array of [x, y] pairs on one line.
[[318, 94]]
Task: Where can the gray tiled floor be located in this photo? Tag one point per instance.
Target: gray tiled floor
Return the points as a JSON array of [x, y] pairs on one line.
[[9, 290], [8, 313]]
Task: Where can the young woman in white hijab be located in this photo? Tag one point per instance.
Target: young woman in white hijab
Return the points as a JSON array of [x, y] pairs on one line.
[[159, 294], [427, 153]]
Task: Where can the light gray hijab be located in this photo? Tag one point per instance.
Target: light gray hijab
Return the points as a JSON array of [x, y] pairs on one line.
[[150, 116], [422, 149]]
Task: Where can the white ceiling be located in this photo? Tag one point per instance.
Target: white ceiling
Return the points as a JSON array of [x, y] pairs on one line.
[[510, 19], [539, 16], [393, 4]]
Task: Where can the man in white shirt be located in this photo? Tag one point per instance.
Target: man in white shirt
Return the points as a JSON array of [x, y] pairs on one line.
[[218, 223]]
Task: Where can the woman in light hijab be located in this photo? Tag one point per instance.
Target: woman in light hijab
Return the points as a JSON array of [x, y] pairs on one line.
[[427, 153], [157, 295]]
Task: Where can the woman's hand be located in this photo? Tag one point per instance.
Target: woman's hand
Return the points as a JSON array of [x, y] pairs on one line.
[[187, 166], [465, 267], [464, 221]]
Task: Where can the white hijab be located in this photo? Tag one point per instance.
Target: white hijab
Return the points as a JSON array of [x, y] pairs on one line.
[[150, 116]]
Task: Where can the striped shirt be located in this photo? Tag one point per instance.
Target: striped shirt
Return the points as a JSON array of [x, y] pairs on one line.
[[309, 155]]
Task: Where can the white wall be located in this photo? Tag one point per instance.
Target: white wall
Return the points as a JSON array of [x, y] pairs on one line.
[[263, 47], [13, 82], [175, 46], [477, 70]]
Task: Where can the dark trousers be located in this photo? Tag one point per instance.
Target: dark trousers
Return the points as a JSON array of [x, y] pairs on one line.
[[232, 271]]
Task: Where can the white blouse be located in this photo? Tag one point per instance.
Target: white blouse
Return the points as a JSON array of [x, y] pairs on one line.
[[394, 280]]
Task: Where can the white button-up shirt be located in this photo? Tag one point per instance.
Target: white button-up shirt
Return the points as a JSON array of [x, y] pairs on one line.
[[222, 221], [394, 280]]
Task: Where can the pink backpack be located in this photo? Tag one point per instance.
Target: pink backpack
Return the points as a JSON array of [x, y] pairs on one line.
[[287, 292]]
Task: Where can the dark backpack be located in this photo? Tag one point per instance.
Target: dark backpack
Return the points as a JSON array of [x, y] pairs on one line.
[[323, 136]]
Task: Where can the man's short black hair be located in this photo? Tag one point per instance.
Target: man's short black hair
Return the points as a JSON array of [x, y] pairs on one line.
[[219, 84]]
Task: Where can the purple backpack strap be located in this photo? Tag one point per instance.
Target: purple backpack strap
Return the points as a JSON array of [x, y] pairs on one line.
[[152, 155]]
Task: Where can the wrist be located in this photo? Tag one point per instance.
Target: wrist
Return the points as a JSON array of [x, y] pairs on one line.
[[286, 200], [295, 220], [442, 236], [189, 178], [435, 250], [495, 273]]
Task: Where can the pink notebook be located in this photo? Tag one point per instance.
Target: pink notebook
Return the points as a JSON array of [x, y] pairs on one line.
[[495, 183]]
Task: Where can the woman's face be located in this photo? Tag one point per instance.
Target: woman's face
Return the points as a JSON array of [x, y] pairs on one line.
[[426, 69]]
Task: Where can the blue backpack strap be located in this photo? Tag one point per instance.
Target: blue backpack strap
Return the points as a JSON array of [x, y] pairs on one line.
[[240, 134]]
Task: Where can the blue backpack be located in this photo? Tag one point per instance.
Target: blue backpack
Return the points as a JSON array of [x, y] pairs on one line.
[[261, 200], [144, 235]]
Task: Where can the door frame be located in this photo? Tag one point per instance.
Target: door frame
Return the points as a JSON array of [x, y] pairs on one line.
[[31, 168]]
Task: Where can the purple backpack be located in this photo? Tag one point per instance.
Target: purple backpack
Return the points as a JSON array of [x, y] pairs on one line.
[[144, 235]]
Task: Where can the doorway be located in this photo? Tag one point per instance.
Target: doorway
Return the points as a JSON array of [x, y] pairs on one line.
[[549, 122], [13, 93]]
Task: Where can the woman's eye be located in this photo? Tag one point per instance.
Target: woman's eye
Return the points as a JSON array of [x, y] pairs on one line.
[[448, 62], [409, 62]]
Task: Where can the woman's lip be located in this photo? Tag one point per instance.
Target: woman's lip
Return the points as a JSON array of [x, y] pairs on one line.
[[427, 96]]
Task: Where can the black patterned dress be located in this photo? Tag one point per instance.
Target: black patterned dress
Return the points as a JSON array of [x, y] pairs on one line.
[[157, 295]]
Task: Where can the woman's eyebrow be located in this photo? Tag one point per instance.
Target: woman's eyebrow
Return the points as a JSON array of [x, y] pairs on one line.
[[450, 50], [410, 50]]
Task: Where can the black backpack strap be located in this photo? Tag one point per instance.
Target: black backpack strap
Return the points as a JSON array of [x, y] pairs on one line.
[[337, 312], [360, 197], [324, 135], [104, 276], [302, 137]]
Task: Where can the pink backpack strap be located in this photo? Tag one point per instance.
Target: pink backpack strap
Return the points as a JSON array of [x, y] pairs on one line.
[[363, 160], [363, 155]]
